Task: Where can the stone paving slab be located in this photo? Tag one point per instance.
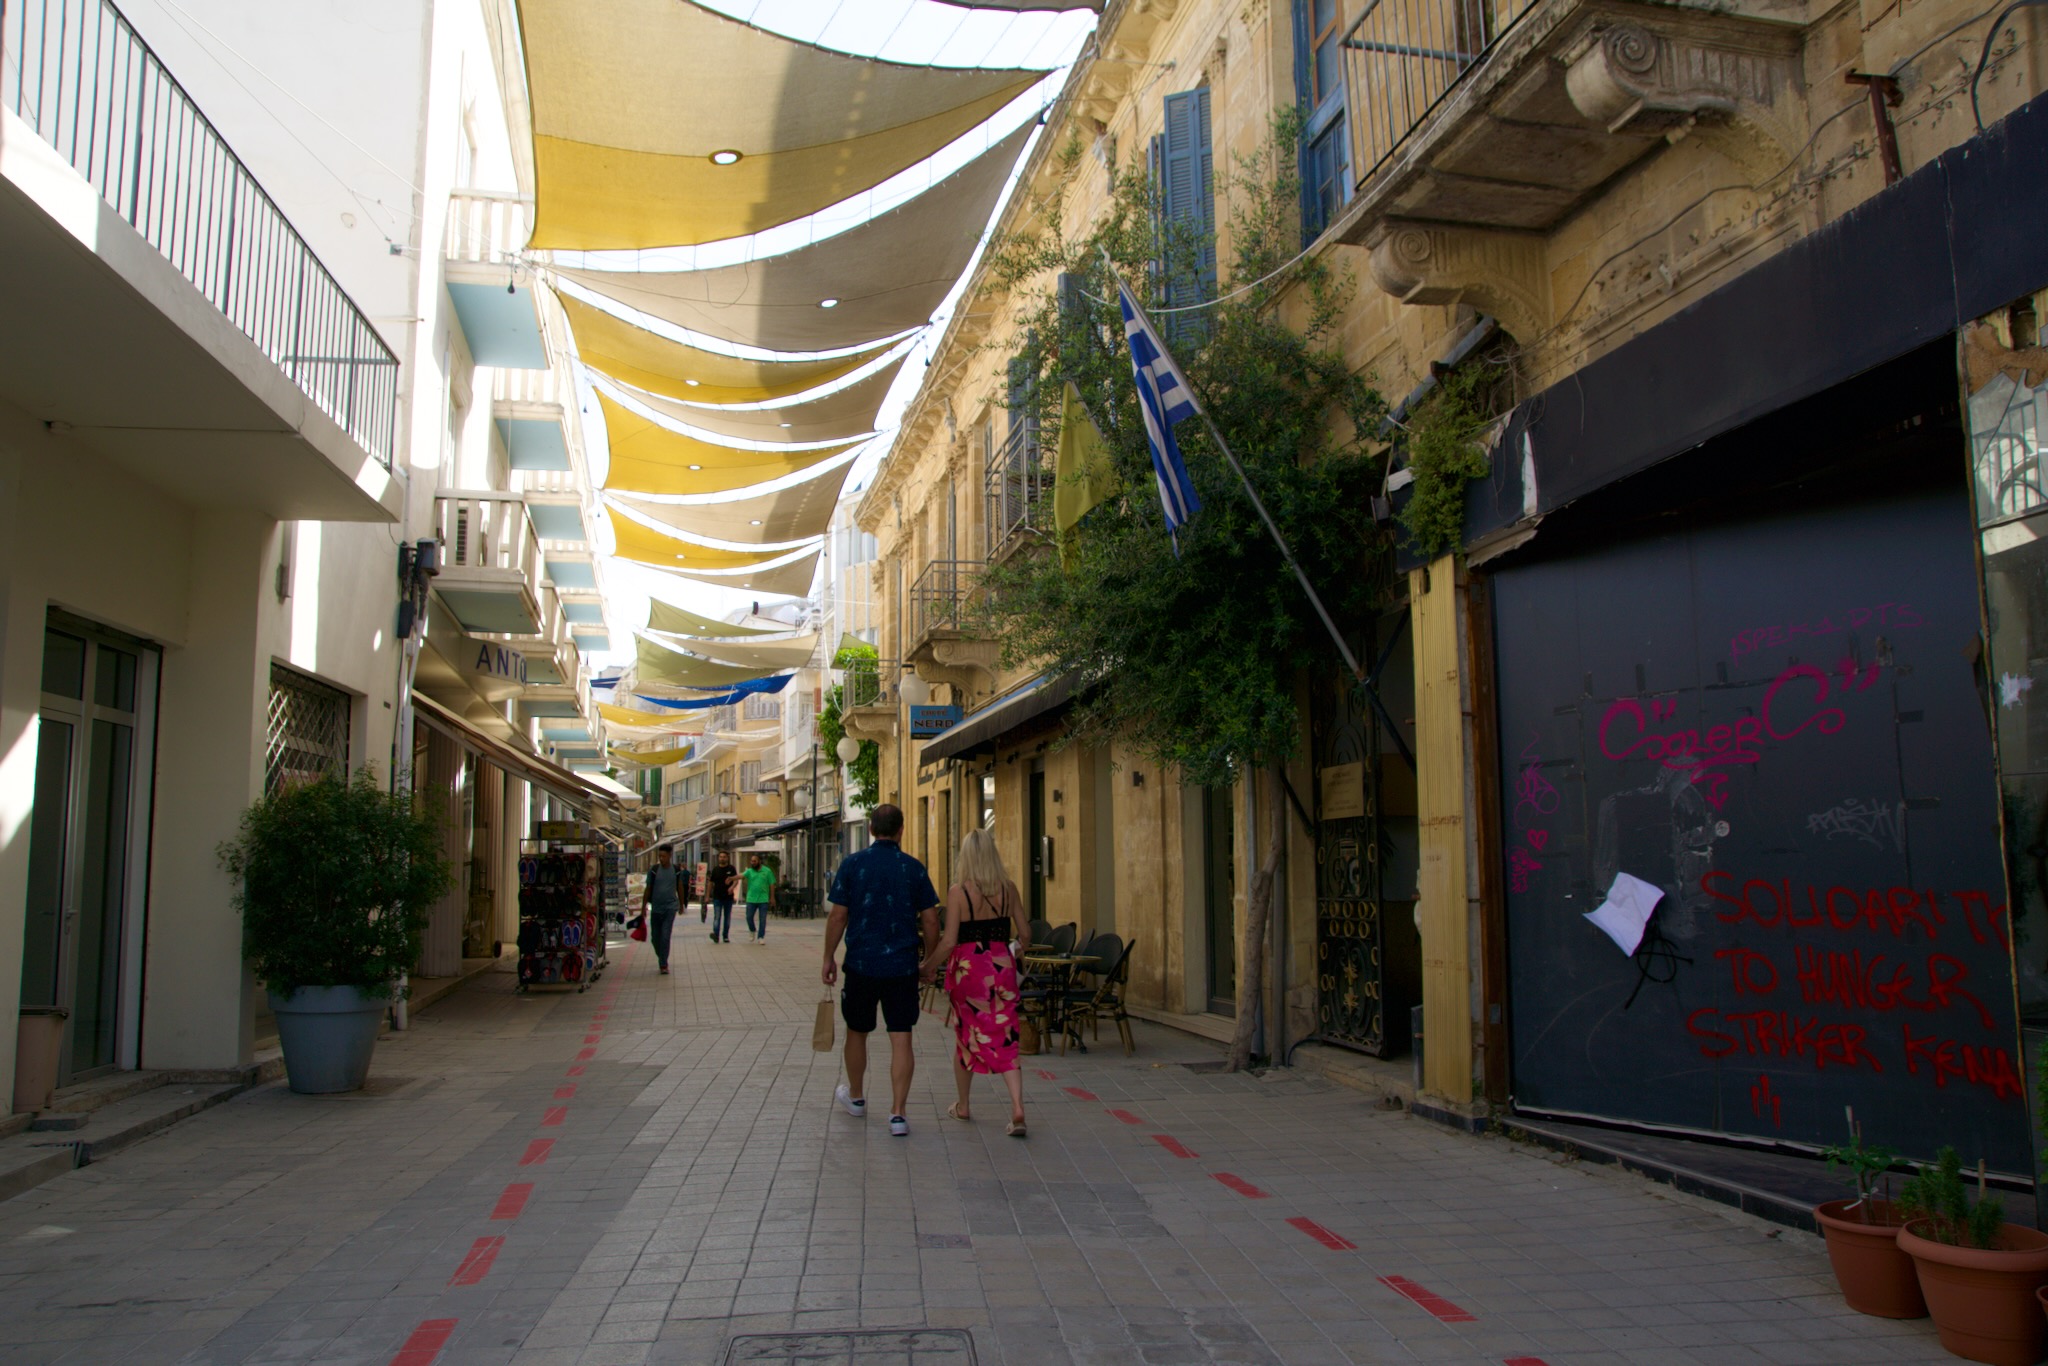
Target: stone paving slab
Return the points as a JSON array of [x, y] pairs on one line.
[[653, 1171]]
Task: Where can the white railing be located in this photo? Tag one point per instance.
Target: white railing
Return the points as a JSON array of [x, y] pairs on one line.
[[486, 225], [487, 531]]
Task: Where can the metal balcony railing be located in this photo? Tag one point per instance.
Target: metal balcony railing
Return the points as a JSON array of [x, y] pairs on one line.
[[940, 595], [871, 683], [1017, 488], [1401, 57], [487, 531], [77, 73]]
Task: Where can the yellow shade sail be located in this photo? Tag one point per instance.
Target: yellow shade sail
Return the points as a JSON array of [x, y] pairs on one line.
[[838, 416], [681, 621], [651, 758], [639, 720], [647, 360], [647, 457], [633, 541], [886, 275], [796, 513], [788, 580], [657, 663], [631, 99], [765, 654]]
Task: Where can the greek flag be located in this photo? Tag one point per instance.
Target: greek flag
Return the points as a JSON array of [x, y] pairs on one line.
[[1164, 395]]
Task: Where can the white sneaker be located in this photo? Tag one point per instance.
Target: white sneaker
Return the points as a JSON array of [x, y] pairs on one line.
[[844, 1095], [899, 1127]]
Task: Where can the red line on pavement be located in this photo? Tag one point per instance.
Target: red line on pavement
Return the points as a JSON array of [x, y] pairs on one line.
[[1241, 1186], [566, 1091], [1174, 1145], [537, 1152], [592, 1038], [1127, 1117], [1429, 1300], [1336, 1242], [477, 1264], [1044, 1075], [1078, 1094], [513, 1200], [555, 1115], [576, 1071], [586, 1055], [425, 1344]]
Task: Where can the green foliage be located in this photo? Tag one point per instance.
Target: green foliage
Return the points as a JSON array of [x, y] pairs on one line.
[[1445, 452], [1938, 1195], [1191, 658], [335, 881], [865, 772], [1866, 1162]]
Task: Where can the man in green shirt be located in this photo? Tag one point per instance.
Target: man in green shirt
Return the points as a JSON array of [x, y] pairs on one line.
[[759, 881]]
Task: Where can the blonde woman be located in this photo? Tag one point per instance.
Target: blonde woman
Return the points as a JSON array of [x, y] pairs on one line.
[[984, 920]]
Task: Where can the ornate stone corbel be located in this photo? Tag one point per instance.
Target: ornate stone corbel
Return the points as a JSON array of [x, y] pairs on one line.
[[1734, 80], [1431, 263], [961, 663]]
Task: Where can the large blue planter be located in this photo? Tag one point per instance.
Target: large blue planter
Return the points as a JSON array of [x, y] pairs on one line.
[[327, 1034]]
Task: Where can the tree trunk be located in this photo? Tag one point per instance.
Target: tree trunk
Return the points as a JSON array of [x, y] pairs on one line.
[[1258, 914]]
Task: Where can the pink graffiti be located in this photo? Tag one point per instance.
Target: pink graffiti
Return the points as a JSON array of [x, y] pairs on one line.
[[1791, 707], [1889, 615]]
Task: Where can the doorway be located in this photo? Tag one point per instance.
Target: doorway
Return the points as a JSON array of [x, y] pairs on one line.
[[1219, 896], [1036, 843], [88, 841]]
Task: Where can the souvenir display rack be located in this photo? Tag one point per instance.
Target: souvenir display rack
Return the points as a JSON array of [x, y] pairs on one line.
[[561, 908]]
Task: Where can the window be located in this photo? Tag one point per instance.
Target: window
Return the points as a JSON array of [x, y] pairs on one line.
[[1325, 137], [1183, 167], [750, 775], [760, 708], [1013, 482], [308, 731]]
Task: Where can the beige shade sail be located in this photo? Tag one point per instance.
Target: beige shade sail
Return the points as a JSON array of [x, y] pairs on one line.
[[650, 758], [672, 620], [766, 654], [838, 416], [796, 513], [657, 663], [644, 544], [637, 720], [631, 98], [788, 580], [654, 363], [888, 274], [647, 457]]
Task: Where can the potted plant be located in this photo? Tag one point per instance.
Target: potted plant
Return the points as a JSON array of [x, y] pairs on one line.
[[1863, 1236], [334, 882], [1978, 1272]]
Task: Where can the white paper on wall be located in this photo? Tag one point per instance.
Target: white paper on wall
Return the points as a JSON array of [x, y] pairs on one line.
[[1626, 912]]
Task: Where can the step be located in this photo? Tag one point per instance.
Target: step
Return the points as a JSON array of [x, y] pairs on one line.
[[29, 1159]]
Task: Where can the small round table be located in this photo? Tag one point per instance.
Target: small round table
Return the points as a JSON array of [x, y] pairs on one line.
[[1059, 968]]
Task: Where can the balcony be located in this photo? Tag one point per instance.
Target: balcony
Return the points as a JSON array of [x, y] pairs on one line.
[[1017, 488], [1474, 127], [493, 295], [528, 407], [161, 308], [490, 563], [941, 650], [869, 700]]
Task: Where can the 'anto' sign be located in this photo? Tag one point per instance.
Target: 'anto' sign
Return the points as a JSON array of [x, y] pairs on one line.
[[926, 722]]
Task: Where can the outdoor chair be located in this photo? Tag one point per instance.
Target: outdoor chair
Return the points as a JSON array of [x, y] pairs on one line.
[[1061, 940], [1105, 998], [1041, 930]]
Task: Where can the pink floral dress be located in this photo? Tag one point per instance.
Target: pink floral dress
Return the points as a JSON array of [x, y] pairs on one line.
[[981, 981]]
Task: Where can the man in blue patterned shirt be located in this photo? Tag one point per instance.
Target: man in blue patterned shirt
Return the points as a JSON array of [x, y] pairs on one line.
[[884, 907]]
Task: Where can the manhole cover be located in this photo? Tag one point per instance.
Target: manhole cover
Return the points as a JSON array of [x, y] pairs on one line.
[[872, 1347]]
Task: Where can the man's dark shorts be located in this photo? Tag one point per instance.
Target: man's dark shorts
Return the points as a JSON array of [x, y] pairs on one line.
[[897, 996]]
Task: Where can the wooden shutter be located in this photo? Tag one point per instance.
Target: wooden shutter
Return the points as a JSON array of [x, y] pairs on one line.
[[1187, 191]]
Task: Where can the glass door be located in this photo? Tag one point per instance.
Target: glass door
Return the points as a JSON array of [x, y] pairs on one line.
[[83, 870]]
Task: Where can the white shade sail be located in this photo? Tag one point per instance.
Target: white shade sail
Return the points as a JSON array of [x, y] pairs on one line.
[[844, 413], [888, 274], [670, 619], [790, 580], [661, 123], [764, 654]]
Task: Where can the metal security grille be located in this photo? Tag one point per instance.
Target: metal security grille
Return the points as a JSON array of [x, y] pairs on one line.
[[308, 736]]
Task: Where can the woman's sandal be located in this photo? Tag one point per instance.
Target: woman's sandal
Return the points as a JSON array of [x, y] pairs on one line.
[[953, 1112], [1016, 1129]]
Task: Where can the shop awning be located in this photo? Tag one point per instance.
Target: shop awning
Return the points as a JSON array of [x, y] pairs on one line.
[[649, 361], [578, 790], [795, 513], [888, 274], [660, 123], [647, 457], [800, 823], [843, 415], [981, 729]]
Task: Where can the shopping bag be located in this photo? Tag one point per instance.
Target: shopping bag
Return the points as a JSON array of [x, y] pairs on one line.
[[821, 1032], [1027, 1035], [638, 929]]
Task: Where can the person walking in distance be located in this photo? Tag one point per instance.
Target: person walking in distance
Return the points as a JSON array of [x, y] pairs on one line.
[[759, 880], [885, 910], [719, 889], [660, 902], [977, 952]]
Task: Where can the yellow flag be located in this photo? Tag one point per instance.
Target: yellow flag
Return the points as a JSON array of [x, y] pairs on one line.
[[1082, 470]]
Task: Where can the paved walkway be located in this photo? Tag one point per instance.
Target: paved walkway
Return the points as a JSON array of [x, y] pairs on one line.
[[652, 1172]]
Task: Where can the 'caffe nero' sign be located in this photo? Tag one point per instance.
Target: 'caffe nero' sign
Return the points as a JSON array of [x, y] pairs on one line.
[[925, 722]]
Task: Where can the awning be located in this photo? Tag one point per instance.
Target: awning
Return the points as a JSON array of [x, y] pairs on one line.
[[575, 789], [981, 729], [626, 797], [681, 621], [633, 539], [650, 458], [660, 123], [795, 513], [842, 415], [785, 580], [763, 654], [888, 274], [801, 823], [654, 662], [654, 363]]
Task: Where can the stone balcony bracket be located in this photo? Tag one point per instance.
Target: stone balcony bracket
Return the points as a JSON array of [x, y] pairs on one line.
[[962, 663], [870, 723], [1678, 73], [1496, 272]]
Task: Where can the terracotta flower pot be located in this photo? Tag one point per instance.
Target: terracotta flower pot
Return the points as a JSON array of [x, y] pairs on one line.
[[1983, 1299], [1876, 1278]]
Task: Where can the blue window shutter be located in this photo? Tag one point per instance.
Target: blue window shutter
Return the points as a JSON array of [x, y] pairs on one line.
[[1187, 189]]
